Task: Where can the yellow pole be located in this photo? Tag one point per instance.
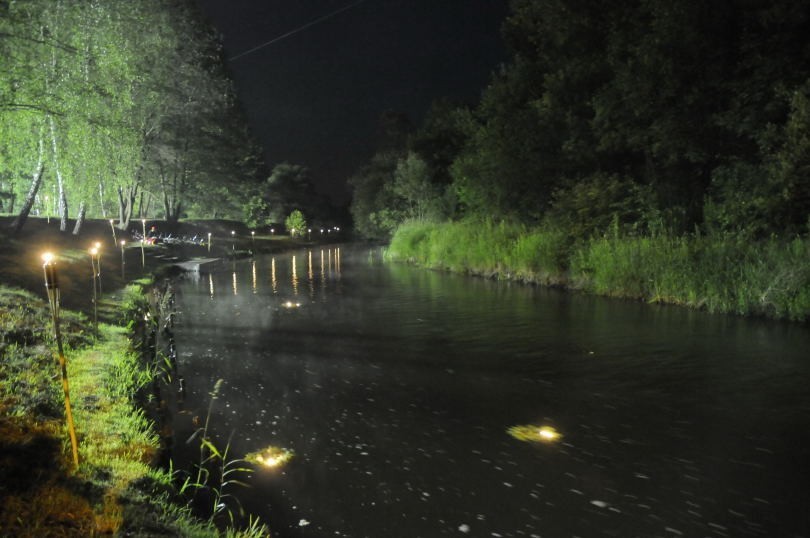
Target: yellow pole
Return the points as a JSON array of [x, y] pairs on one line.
[[93, 254], [52, 287]]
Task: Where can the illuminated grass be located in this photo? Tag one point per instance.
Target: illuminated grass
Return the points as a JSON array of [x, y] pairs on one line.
[[117, 489]]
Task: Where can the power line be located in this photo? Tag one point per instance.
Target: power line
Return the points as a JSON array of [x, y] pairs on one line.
[[299, 29]]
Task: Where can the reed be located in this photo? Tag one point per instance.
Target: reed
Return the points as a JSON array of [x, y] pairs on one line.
[[718, 273]]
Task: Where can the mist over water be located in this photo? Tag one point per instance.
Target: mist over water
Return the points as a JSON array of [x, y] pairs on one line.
[[395, 388]]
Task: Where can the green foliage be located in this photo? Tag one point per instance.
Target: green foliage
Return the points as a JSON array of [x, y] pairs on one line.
[[375, 208], [257, 212], [594, 204], [616, 112], [296, 224], [729, 274], [719, 273], [501, 249], [127, 98]]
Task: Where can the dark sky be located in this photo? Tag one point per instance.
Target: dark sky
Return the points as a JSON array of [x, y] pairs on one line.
[[315, 97]]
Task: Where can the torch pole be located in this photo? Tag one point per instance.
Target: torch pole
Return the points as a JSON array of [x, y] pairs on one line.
[[52, 287], [93, 255]]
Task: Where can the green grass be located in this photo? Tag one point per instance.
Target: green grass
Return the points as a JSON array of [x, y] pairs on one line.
[[724, 274], [117, 489]]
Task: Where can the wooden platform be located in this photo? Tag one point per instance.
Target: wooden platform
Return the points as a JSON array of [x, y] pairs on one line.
[[200, 265]]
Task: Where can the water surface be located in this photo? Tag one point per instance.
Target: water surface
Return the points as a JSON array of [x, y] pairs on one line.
[[395, 387]]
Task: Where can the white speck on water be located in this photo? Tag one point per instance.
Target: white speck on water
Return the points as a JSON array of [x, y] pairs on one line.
[[303, 523], [673, 531], [600, 504], [642, 476], [508, 485], [464, 528], [576, 491]]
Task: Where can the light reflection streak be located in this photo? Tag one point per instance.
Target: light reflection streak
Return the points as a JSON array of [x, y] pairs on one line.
[[310, 275], [294, 277], [253, 271], [233, 278], [211, 285], [337, 262], [273, 281], [322, 269], [323, 277]]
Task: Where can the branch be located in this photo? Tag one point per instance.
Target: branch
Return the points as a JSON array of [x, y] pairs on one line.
[[66, 48], [26, 106]]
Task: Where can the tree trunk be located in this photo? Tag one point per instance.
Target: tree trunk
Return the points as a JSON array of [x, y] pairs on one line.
[[63, 207], [126, 204], [101, 199], [140, 205], [80, 219], [36, 181]]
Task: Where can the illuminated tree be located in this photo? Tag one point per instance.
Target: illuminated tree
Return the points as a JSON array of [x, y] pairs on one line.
[[295, 223]]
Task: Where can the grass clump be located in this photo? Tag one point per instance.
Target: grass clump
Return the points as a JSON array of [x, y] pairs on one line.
[[719, 273]]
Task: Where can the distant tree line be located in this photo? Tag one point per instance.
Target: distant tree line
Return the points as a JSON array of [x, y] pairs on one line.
[[119, 109], [646, 117]]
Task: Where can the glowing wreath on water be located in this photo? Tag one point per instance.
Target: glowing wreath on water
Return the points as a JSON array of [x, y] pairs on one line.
[[271, 456], [543, 434]]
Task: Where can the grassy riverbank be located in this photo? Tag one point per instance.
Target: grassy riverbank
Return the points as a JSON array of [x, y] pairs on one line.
[[118, 487], [722, 274]]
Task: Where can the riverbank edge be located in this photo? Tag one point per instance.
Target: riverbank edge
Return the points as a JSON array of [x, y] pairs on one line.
[[725, 275], [118, 487]]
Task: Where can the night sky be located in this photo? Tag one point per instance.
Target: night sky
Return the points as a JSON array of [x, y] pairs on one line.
[[315, 97]]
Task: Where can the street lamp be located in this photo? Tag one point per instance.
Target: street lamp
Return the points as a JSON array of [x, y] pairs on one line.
[[52, 288], [252, 238], [209, 241], [233, 236], [309, 233], [115, 239]]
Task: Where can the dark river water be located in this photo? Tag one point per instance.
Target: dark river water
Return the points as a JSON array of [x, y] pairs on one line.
[[395, 388]]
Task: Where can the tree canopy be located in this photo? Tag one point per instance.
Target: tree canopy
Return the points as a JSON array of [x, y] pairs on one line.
[[655, 115], [127, 107]]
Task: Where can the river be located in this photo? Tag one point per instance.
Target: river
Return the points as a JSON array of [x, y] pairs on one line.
[[395, 388]]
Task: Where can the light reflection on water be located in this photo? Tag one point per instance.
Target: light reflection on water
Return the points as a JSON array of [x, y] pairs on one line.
[[396, 388]]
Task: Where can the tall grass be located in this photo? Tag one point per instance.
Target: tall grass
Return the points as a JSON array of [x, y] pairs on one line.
[[719, 273], [499, 250]]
